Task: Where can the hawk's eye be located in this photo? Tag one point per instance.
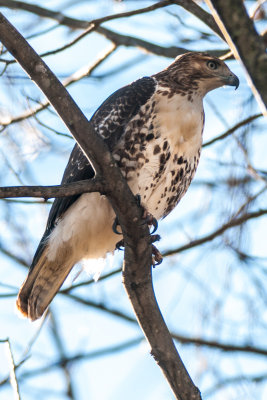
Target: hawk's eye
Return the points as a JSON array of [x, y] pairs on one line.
[[212, 64]]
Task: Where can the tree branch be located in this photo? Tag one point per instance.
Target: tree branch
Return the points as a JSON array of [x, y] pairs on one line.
[[123, 40], [85, 71], [207, 238], [137, 266], [47, 192], [243, 39], [132, 41], [63, 20], [13, 378], [232, 130], [197, 341]]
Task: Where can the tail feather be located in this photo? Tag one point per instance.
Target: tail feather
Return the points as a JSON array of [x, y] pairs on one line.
[[42, 284]]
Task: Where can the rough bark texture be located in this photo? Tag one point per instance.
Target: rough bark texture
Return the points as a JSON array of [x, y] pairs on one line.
[[246, 44], [137, 268]]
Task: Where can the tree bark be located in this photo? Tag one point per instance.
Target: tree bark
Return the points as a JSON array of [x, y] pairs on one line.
[[246, 44]]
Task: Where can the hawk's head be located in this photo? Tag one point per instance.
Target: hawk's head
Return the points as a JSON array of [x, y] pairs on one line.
[[201, 72]]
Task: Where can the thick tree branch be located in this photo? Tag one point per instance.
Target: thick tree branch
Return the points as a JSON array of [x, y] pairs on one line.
[[243, 39], [137, 267]]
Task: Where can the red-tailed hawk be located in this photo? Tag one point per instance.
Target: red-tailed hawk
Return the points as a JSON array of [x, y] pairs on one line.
[[153, 127]]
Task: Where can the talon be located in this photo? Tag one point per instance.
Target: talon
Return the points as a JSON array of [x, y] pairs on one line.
[[150, 220], [154, 238], [157, 256], [138, 200], [155, 225], [119, 245], [115, 225]]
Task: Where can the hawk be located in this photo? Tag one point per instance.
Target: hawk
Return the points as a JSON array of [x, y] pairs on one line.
[[153, 128]]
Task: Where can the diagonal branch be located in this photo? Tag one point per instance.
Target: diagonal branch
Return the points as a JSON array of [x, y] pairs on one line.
[[137, 267], [247, 46], [218, 232], [232, 130]]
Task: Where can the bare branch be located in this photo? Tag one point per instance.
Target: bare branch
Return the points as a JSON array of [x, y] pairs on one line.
[[232, 130], [85, 71], [13, 378], [123, 40], [132, 41], [13, 256], [220, 346], [74, 23], [47, 192], [78, 357], [90, 281], [235, 380], [243, 39], [61, 350], [179, 337], [201, 14], [207, 238]]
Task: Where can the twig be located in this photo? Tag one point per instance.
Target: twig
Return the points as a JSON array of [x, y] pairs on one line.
[[233, 129], [207, 238], [235, 379], [184, 339], [117, 38], [14, 257], [83, 24], [63, 356], [90, 281], [13, 378], [74, 23], [132, 41], [77, 76]]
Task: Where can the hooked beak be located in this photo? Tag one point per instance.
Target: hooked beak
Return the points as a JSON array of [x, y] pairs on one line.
[[231, 80]]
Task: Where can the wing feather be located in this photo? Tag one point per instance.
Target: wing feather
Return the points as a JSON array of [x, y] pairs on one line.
[[109, 120]]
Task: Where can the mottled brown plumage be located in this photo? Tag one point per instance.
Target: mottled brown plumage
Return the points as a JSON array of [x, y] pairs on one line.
[[153, 127]]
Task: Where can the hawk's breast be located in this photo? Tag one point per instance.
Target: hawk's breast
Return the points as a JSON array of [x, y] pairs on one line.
[[160, 149]]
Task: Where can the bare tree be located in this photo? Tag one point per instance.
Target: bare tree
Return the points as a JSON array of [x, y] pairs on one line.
[[240, 180]]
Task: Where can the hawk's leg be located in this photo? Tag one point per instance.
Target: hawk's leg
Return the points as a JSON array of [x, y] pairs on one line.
[[149, 219], [156, 255]]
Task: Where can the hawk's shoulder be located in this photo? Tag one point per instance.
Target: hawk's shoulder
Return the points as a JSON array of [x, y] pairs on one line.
[[118, 109]]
